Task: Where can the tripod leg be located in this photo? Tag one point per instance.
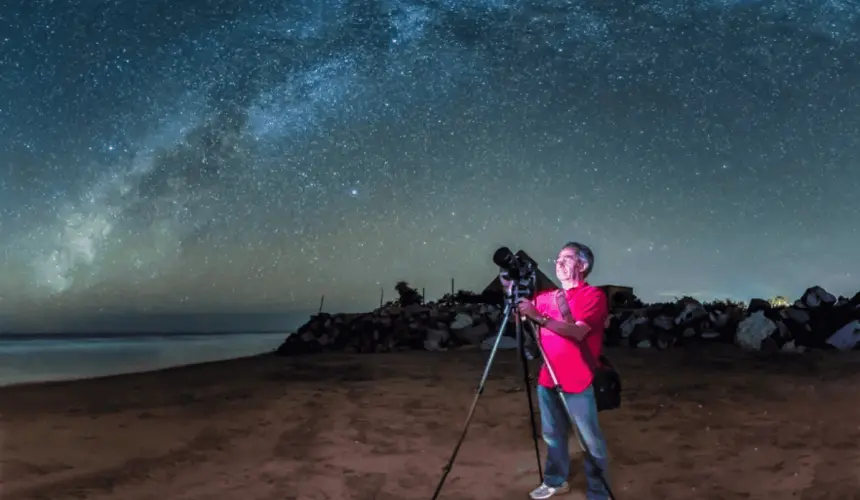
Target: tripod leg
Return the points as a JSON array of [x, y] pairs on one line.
[[478, 392], [528, 388], [586, 450]]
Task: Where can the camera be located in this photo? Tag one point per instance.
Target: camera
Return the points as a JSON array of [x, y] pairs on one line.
[[522, 272]]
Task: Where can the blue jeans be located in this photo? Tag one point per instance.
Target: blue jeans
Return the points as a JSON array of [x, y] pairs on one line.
[[556, 426]]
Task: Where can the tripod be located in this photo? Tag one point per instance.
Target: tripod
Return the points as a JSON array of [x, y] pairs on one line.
[[509, 306], [511, 302]]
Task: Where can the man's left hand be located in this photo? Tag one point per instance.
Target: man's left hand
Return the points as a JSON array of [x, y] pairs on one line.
[[528, 309]]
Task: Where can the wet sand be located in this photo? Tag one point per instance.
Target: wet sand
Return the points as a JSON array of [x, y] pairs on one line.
[[708, 424]]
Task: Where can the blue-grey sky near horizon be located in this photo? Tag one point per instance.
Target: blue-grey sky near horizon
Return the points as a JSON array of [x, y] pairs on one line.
[[251, 156]]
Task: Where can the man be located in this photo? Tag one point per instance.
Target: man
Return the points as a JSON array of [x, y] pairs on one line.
[[572, 347]]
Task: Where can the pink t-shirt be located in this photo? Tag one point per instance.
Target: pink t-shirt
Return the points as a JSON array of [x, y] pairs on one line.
[[587, 304]]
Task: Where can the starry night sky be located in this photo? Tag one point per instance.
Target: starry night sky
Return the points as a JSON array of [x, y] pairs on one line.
[[242, 156]]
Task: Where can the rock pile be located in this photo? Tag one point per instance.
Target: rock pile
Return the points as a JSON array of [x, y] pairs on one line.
[[817, 320], [454, 320]]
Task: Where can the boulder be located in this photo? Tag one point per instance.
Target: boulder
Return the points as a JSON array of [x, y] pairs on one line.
[[815, 297], [757, 305], [436, 339], [691, 311], [847, 337], [754, 330], [472, 334]]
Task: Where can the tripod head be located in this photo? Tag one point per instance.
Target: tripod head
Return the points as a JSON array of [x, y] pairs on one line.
[[518, 275]]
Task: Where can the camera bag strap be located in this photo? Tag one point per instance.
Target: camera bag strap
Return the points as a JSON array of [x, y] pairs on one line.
[[564, 308], [607, 381]]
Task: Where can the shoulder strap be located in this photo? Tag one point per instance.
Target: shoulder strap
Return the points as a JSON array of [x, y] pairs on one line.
[[564, 307]]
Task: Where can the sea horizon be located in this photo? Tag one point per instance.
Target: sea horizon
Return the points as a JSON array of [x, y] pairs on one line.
[[34, 358], [24, 336], [152, 323]]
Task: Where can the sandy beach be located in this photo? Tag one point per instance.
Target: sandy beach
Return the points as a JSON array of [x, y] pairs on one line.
[[705, 424]]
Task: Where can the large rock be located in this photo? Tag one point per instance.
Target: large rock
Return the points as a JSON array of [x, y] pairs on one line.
[[847, 337], [754, 330], [815, 297], [472, 334]]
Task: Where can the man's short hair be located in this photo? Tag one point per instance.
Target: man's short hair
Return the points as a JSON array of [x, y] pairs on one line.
[[583, 254]]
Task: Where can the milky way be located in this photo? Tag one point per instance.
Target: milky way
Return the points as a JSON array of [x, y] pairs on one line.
[[199, 156]]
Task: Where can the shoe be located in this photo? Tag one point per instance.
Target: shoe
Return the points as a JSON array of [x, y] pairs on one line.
[[543, 491]]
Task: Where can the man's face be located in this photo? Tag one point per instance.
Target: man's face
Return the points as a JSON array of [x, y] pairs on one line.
[[565, 265]]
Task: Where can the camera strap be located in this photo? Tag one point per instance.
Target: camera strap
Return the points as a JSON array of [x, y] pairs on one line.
[[564, 308]]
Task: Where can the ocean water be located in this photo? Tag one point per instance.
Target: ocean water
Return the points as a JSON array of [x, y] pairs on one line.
[[51, 359]]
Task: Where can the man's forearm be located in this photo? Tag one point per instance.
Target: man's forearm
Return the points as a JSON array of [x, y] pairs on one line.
[[575, 331]]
